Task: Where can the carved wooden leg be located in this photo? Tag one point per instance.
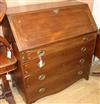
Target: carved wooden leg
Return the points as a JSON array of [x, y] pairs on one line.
[[87, 77], [13, 83], [7, 91], [1, 91]]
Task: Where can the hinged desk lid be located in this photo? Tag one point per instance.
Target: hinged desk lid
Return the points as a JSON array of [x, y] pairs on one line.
[[41, 24]]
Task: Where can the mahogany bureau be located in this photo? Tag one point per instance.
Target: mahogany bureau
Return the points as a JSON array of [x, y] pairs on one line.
[[53, 43]]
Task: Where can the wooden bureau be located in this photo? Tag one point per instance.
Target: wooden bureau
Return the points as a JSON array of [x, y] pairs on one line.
[[53, 43]]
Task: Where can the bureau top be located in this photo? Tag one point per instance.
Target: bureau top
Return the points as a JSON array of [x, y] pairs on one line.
[[40, 6], [41, 24]]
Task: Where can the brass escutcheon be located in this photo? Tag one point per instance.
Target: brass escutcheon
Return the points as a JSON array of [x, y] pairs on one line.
[[82, 61], [56, 11], [41, 64], [80, 72], [85, 39], [42, 90], [41, 77], [83, 49], [41, 53]]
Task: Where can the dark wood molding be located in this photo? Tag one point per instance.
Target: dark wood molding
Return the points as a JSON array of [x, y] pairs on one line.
[[3, 8]]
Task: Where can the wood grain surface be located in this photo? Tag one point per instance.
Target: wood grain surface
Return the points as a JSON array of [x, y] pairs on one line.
[[64, 33]]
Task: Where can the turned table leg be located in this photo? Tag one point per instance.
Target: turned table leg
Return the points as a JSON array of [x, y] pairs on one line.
[[7, 91]]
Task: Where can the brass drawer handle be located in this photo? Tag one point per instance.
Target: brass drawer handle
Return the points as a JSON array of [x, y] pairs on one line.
[[85, 39], [42, 90], [41, 64], [80, 72], [41, 77], [83, 49], [56, 11], [23, 57], [26, 72], [82, 61], [41, 53]]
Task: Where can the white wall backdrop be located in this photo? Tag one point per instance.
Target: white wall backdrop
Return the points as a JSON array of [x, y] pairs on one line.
[[96, 12], [90, 3], [13, 3]]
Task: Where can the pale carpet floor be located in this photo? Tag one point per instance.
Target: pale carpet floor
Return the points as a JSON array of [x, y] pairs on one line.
[[81, 92]]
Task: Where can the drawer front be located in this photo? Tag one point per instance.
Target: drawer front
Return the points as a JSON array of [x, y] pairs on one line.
[[41, 77], [56, 84], [54, 67], [56, 47]]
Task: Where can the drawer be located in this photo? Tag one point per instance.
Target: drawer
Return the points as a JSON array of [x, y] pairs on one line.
[[56, 67], [87, 41], [50, 86]]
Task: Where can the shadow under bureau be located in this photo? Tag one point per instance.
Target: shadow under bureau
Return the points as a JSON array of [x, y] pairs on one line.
[[53, 43]]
